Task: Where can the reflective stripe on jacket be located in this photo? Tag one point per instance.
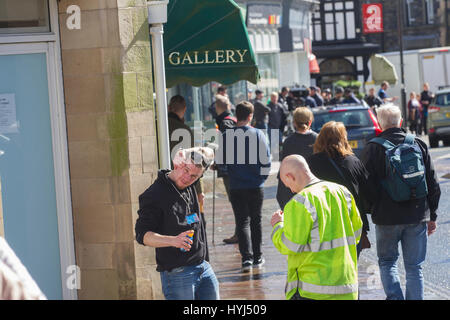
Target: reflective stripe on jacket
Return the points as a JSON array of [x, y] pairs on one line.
[[321, 229]]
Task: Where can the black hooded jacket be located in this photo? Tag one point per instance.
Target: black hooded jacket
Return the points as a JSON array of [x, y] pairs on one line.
[[163, 210], [386, 211]]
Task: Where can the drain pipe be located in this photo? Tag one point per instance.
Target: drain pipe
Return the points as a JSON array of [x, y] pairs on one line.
[[157, 16]]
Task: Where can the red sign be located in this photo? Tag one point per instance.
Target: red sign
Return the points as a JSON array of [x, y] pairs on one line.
[[373, 18]]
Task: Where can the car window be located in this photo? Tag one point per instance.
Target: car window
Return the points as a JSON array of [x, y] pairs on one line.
[[443, 99], [350, 118]]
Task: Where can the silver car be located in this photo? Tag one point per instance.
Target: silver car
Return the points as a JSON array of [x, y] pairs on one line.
[[438, 121]]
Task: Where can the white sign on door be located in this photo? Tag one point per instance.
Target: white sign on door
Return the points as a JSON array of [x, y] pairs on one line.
[[8, 121]]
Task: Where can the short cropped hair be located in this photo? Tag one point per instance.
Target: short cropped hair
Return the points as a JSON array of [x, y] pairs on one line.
[[389, 116], [221, 89], [332, 140], [177, 103], [222, 102], [302, 116], [243, 110]]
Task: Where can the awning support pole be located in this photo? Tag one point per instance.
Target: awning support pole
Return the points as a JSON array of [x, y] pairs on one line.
[[156, 33]]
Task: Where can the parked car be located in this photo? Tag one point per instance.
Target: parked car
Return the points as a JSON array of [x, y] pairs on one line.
[[438, 121], [359, 120]]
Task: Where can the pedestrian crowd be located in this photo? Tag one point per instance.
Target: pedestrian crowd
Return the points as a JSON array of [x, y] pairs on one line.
[[325, 194]]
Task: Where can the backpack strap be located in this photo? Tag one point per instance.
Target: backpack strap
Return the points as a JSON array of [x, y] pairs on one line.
[[383, 142], [410, 139]]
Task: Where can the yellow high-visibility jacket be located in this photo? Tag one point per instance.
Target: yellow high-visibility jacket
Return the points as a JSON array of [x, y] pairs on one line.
[[321, 229]]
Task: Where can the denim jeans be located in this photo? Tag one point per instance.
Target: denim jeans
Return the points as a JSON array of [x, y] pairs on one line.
[[247, 205], [190, 283], [413, 238]]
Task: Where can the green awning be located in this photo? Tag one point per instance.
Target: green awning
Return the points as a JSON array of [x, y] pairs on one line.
[[382, 70], [207, 41]]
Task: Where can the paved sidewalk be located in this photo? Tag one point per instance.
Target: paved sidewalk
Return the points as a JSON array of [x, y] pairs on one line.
[[267, 283]]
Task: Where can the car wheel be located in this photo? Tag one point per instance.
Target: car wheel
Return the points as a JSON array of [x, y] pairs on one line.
[[434, 142], [446, 142]]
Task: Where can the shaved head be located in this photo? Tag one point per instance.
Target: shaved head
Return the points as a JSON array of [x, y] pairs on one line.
[[295, 172]]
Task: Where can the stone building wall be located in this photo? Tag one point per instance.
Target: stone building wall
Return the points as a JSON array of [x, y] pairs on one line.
[[112, 144], [418, 35]]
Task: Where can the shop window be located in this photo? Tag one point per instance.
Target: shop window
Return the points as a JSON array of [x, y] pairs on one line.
[[268, 69], [24, 16], [335, 20]]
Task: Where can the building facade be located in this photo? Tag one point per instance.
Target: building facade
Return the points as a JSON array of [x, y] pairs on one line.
[[278, 31], [342, 50], [78, 144], [424, 25]]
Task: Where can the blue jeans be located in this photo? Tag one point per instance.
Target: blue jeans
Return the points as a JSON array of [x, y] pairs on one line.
[[413, 238], [190, 283]]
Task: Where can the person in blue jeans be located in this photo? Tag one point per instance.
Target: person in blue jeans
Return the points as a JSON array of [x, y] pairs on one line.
[[408, 223], [169, 221]]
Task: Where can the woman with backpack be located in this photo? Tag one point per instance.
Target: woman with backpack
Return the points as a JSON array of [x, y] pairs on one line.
[[333, 160]]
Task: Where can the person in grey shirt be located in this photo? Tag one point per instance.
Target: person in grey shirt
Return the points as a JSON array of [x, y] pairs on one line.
[[300, 142]]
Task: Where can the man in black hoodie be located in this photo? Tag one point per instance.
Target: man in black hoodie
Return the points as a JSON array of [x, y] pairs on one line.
[[169, 221], [409, 222]]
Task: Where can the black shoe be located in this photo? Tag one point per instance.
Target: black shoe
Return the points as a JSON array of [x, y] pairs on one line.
[[233, 239], [246, 265], [258, 263]]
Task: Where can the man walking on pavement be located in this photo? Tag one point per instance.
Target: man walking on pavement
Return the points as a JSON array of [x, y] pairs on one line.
[[247, 157], [261, 116], [277, 122], [408, 220], [425, 99], [169, 221], [318, 231], [224, 121]]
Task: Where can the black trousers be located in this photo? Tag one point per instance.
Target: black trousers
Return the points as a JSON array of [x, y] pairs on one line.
[[247, 206], [226, 182]]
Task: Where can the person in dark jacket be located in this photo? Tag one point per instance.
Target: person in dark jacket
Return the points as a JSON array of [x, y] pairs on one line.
[[221, 91], [277, 121], [181, 135], [338, 96], [224, 121], [425, 99], [333, 160], [168, 220], [349, 97], [408, 222], [315, 94], [300, 142], [309, 100], [372, 100], [261, 116]]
